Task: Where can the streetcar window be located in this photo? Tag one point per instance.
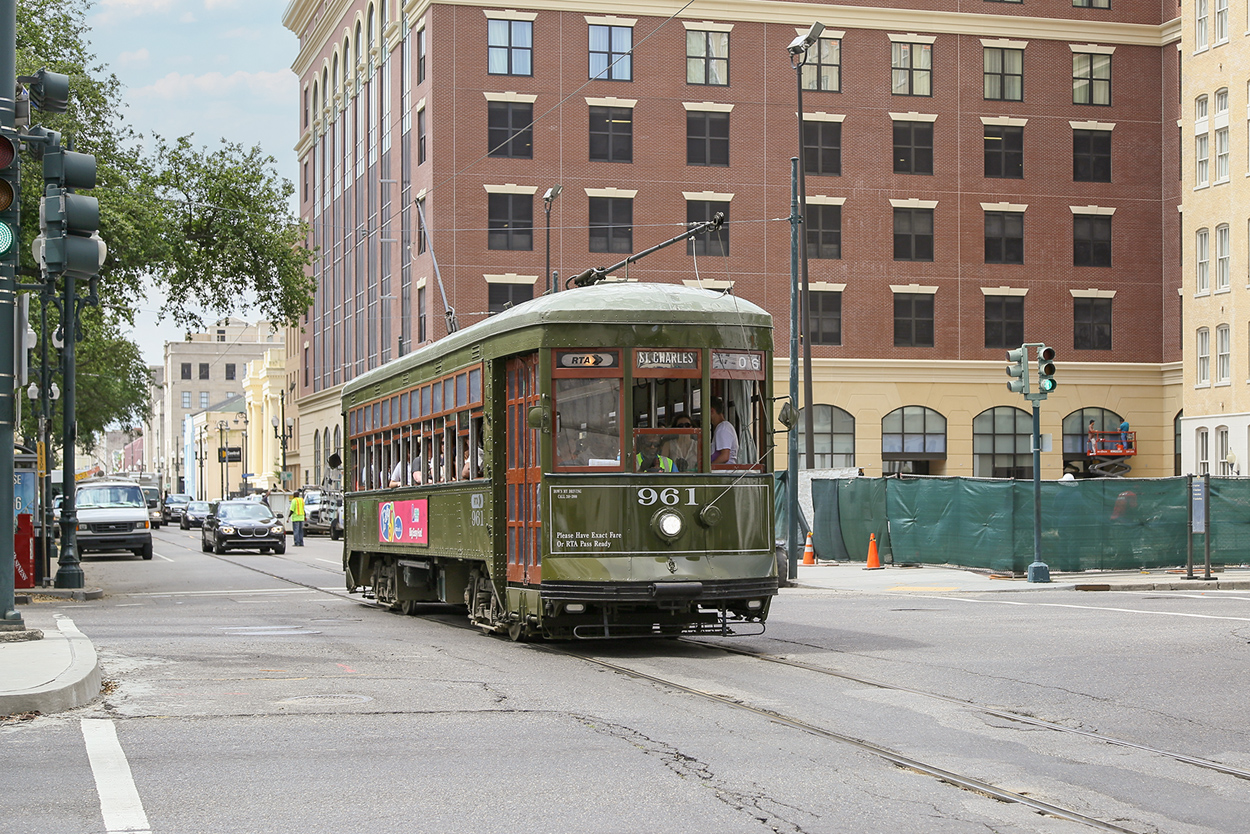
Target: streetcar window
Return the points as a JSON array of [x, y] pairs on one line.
[[386, 414], [438, 398], [587, 430], [475, 385], [425, 401], [475, 450], [462, 390], [674, 404], [449, 393]]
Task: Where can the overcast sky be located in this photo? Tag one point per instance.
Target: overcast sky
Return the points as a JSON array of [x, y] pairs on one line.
[[213, 68]]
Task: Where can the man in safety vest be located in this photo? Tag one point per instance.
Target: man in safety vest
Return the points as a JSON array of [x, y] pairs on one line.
[[296, 510], [648, 458]]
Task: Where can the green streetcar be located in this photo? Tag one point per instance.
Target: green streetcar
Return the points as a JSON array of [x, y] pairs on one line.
[[552, 468]]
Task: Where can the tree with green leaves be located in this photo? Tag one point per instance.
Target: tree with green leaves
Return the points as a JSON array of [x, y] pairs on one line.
[[200, 228]]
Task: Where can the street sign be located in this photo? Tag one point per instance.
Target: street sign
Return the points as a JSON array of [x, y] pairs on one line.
[[1198, 500]]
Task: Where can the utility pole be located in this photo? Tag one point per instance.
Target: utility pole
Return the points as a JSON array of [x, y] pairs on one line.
[[10, 234]]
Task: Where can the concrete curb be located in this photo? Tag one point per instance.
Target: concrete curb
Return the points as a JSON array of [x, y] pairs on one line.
[[76, 683], [24, 596]]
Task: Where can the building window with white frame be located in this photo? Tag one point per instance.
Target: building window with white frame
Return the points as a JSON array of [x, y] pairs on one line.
[[1091, 78], [1202, 176], [1203, 345], [911, 69], [1221, 155], [1221, 21], [1223, 343], [1203, 261], [1221, 451], [1204, 452], [1200, 25], [186, 399], [1222, 258]]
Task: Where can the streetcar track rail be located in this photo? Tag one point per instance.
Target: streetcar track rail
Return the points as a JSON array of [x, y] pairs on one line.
[[969, 783], [1209, 764]]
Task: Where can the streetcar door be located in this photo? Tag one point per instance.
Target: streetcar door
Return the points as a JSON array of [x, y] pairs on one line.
[[524, 472]]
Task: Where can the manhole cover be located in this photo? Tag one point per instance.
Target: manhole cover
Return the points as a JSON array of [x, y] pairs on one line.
[[326, 699]]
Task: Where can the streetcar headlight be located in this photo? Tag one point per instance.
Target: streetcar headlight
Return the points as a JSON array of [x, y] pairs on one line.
[[668, 524], [575, 608], [755, 604]]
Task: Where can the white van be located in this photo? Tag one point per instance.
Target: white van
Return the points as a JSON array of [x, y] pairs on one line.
[[112, 515]]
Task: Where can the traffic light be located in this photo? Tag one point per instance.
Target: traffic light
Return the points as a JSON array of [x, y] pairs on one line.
[[49, 91], [69, 222], [10, 190], [1045, 370], [1018, 370]]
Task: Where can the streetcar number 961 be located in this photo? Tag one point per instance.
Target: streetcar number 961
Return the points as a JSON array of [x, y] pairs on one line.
[[669, 497]]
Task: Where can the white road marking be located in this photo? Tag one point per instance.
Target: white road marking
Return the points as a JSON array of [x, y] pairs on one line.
[[221, 593], [119, 799], [1092, 608], [330, 561], [159, 556]]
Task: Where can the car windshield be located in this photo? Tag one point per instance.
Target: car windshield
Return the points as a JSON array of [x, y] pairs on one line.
[[110, 496], [177, 499], [245, 511], [198, 507]]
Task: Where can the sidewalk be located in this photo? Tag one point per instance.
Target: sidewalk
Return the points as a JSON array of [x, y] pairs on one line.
[[54, 674], [930, 579]]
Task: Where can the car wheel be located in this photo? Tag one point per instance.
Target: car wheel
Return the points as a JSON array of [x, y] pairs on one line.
[[335, 535], [183, 524], [265, 551], [145, 551], [280, 548], [204, 545], [218, 547]]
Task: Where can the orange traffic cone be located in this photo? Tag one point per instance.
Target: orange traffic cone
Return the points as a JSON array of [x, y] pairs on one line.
[[874, 561], [809, 552]]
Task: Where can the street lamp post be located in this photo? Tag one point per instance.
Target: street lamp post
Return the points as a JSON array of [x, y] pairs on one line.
[[222, 454], [241, 417], [287, 424], [550, 196], [798, 58], [203, 493]]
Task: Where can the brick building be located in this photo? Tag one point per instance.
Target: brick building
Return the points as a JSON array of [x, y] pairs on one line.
[[965, 193]]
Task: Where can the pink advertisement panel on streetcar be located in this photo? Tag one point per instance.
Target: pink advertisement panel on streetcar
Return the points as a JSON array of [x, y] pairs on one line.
[[404, 522]]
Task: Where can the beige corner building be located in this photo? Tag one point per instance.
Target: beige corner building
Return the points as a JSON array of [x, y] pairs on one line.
[[1213, 431]]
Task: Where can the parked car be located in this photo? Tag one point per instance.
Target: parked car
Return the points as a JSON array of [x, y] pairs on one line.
[[336, 524], [193, 514], [242, 525], [175, 506], [112, 515], [320, 507]]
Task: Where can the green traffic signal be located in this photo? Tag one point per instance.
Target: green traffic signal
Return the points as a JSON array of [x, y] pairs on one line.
[[1046, 369], [10, 179]]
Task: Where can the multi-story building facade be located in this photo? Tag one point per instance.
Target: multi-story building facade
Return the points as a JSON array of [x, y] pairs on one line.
[[1214, 173], [205, 369], [977, 176]]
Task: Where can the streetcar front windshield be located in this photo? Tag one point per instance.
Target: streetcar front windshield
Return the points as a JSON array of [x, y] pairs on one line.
[[588, 433]]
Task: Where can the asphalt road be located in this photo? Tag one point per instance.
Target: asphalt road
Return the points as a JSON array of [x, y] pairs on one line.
[[249, 693]]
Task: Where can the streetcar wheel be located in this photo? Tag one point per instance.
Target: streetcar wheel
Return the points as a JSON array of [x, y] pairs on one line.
[[409, 607], [516, 633]]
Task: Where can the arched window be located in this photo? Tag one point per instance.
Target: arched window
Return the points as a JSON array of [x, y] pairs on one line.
[[1176, 442], [325, 442], [1076, 434], [1203, 452], [1221, 451], [1002, 443], [833, 434], [317, 455], [1202, 261], [369, 41], [912, 436], [1203, 348]]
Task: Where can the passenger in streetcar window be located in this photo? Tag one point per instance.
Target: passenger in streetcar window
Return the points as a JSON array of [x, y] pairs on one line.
[[472, 462], [682, 448], [648, 458], [414, 474], [724, 436]]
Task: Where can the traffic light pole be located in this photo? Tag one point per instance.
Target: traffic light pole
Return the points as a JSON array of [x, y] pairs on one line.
[[10, 619], [1038, 571]]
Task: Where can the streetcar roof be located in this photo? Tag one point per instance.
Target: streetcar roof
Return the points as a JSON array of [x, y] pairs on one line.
[[609, 302]]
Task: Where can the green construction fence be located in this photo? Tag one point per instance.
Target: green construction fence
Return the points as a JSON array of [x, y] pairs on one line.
[[1088, 524]]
